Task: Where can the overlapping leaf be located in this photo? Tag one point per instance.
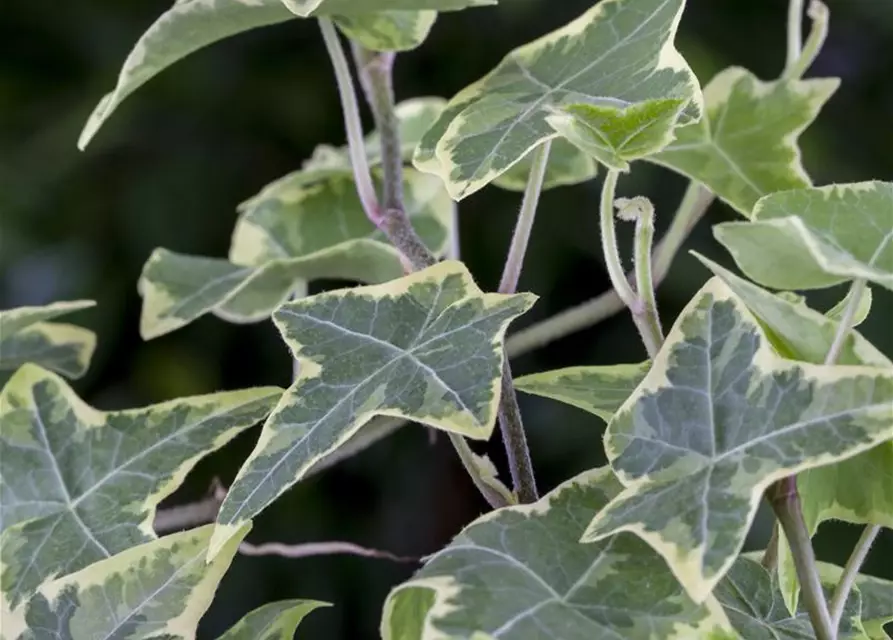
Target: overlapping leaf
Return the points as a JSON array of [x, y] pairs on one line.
[[26, 336], [617, 53], [857, 490], [615, 135], [388, 30], [863, 307], [79, 485], [520, 572], [598, 390], [718, 418], [159, 589], [290, 234], [426, 347], [273, 621], [816, 237], [754, 606], [746, 145]]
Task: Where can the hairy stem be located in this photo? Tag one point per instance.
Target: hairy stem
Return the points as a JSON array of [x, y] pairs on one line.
[[693, 207], [795, 33], [653, 333], [609, 242], [786, 505], [515, 440], [818, 31], [352, 123], [850, 572], [518, 249]]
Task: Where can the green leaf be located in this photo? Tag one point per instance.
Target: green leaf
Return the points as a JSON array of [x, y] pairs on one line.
[[160, 589], [307, 8], [427, 347], [856, 490], [273, 621], [617, 135], [598, 390], [718, 418], [25, 336], [88, 481], [817, 237], [388, 30], [755, 608], [520, 572], [567, 166], [290, 235], [876, 595], [746, 145], [492, 124], [863, 307]]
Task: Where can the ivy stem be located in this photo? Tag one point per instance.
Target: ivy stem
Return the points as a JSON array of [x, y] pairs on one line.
[[694, 205], [795, 34], [785, 501], [518, 249], [352, 123], [818, 31], [850, 572], [644, 240]]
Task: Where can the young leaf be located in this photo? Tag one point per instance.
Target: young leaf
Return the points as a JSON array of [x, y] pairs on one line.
[[307, 8], [856, 490], [273, 621], [567, 166], [388, 30], [598, 390], [490, 125], [520, 572], [25, 336], [89, 481], [291, 234], [746, 145], [817, 237], [754, 605], [160, 589], [617, 135], [717, 419], [427, 347]]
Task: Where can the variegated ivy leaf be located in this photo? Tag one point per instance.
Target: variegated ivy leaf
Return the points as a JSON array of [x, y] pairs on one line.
[[617, 53], [817, 237], [755, 608], [273, 621], [598, 390], [191, 25], [388, 30], [307, 8], [160, 589], [863, 307], [79, 485], [856, 490], [746, 145], [520, 572], [427, 347], [290, 235], [876, 595], [717, 419], [567, 165], [616, 135], [26, 336]]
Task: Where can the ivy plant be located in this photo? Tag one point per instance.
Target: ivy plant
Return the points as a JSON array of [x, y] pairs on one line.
[[749, 396]]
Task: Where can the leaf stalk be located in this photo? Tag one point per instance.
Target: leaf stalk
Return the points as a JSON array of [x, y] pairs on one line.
[[850, 572], [818, 32]]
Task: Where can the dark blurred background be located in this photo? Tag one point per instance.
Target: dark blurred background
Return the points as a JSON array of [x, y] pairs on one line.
[[172, 164]]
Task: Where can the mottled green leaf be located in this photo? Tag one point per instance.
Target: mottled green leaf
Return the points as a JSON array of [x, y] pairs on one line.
[[427, 347], [876, 595], [817, 237], [746, 145], [307, 8], [26, 336], [857, 490], [598, 390], [755, 608], [615, 135], [290, 235], [79, 485], [863, 307], [567, 166], [160, 589], [520, 572], [718, 418], [617, 53], [273, 621], [388, 30]]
